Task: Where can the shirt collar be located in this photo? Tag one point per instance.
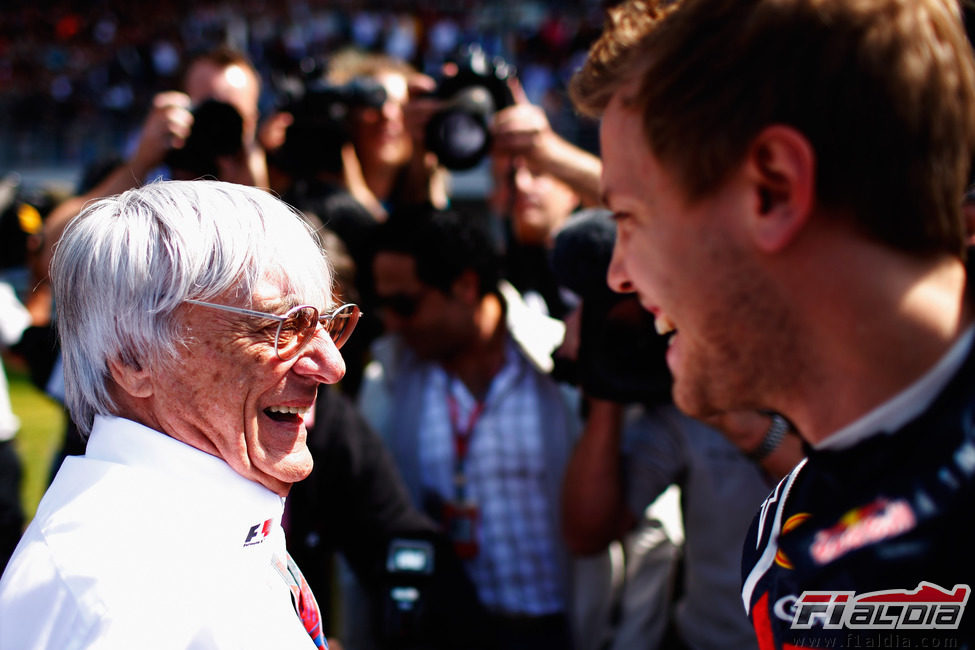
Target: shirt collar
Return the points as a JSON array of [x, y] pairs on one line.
[[125, 442], [906, 405]]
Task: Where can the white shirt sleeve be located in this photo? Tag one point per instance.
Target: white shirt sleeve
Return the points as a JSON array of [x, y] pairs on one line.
[[46, 613]]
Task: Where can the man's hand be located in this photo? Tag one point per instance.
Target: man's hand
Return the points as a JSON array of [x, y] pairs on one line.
[[522, 131], [274, 131], [166, 127]]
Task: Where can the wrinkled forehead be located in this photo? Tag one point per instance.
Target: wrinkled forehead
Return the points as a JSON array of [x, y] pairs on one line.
[[276, 293], [296, 286]]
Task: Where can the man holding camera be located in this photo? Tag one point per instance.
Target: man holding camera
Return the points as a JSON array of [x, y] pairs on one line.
[[806, 256], [391, 166], [227, 83]]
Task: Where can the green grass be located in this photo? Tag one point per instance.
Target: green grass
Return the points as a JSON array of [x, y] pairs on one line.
[[42, 423]]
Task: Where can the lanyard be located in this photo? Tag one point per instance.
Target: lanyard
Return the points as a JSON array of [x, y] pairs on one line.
[[462, 441]]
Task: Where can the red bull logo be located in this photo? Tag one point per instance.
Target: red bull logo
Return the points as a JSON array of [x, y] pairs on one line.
[[880, 520]]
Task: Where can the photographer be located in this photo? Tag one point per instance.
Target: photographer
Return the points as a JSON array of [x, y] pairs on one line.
[[415, 592], [540, 179], [227, 79], [313, 160], [522, 133], [393, 166]]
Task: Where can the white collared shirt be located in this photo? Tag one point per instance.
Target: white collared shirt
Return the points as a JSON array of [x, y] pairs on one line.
[[147, 542]]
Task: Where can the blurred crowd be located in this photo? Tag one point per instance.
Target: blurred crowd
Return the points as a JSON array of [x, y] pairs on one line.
[[75, 77]]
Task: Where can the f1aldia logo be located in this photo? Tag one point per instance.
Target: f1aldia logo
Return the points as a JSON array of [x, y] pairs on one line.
[[929, 607]]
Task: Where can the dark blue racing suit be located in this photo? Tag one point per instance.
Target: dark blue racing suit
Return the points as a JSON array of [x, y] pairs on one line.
[[893, 514]]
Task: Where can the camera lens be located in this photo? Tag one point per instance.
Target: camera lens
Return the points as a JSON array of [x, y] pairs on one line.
[[459, 133], [460, 139]]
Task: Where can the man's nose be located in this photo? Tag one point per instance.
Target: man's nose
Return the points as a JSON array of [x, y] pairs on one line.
[[320, 359], [616, 276], [391, 110]]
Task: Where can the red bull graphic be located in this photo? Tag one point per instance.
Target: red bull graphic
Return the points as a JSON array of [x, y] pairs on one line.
[[880, 520]]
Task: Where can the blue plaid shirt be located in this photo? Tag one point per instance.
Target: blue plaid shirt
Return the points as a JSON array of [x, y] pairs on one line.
[[516, 569]]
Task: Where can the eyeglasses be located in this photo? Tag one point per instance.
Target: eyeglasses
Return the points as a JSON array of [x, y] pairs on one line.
[[298, 325]]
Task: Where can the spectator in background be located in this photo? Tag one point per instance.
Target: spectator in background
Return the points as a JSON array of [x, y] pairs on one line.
[[540, 179], [223, 75], [313, 163], [460, 392], [351, 150], [192, 353], [354, 502], [749, 223], [395, 168], [20, 227], [535, 205]]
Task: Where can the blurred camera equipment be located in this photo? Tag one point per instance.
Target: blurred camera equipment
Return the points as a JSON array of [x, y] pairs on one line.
[[321, 124], [621, 356], [217, 131], [409, 565], [458, 133]]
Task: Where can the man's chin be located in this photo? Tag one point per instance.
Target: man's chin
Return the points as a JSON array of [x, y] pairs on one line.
[[296, 467], [691, 401]]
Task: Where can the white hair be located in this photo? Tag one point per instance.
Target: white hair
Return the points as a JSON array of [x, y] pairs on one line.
[[126, 263]]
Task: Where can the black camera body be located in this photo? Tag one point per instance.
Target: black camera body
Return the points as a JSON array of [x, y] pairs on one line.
[[321, 124], [409, 567], [621, 356], [459, 133], [218, 130]]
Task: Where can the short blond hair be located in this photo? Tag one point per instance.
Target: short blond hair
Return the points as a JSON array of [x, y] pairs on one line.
[[884, 90], [349, 63]]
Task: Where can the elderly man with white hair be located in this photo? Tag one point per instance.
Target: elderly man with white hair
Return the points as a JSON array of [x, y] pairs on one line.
[[189, 315]]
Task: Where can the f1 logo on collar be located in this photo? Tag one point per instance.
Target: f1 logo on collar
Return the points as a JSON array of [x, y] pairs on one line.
[[258, 533]]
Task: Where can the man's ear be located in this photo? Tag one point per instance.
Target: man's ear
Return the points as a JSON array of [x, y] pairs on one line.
[[134, 380], [781, 167]]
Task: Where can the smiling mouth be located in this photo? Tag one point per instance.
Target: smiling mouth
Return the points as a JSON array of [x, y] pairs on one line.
[[663, 325], [289, 414]]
